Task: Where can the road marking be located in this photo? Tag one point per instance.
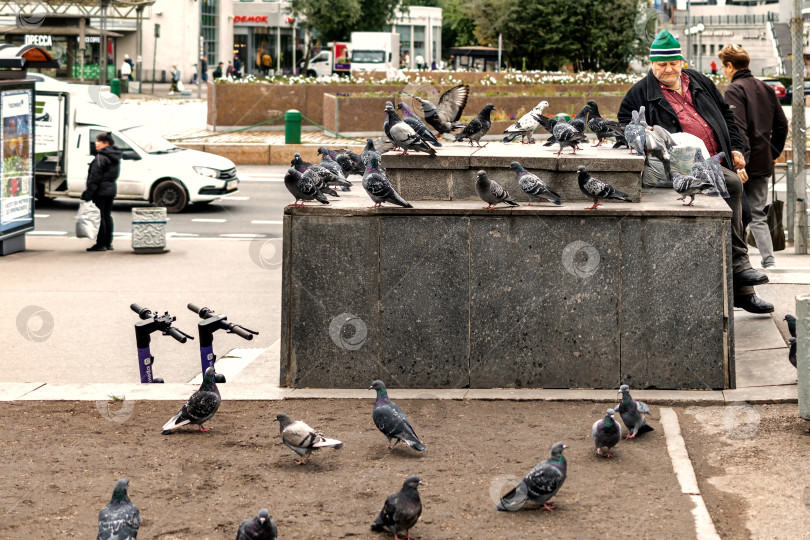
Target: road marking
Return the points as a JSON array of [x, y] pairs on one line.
[[180, 234], [48, 233], [232, 363], [268, 178], [209, 220], [122, 234], [266, 222], [233, 198], [40, 216], [242, 235], [704, 527]]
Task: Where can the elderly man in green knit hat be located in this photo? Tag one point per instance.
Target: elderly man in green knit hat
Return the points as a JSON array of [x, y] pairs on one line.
[[685, 100]]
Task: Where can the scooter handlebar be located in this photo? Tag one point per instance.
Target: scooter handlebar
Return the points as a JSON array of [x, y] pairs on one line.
[[241, 332], [194, 308], [203, 312], [143, 313], [176, 334]]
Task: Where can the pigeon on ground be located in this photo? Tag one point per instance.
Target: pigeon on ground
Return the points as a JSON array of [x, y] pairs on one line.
[[607, 433], [302, 188], [120, 519], [379, 188], [418, 126], [540, 485], [403, 136], [524, 127], [491, 192], [260, 527], [635, 132], [332, 166], [688, 186], [632, 413], [401, 510], [444, 116], [322, 177], [391, 421], [302, 439], [567, 135], [605, 128], [368, 152], [580, 121], [534, 187], [478, 126], [791, 322], [200, 407], [658, 143], [595, 188]]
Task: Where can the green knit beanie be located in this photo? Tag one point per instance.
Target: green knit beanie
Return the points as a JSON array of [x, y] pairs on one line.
[[665, 48]]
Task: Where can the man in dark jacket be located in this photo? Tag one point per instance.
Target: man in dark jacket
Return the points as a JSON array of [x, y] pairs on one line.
[[764, 129], [684, 100], [101, 187]]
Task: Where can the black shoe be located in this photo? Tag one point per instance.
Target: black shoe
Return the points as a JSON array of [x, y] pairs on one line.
[[749, 278], [753, 304], [96, 248], [110, 248]]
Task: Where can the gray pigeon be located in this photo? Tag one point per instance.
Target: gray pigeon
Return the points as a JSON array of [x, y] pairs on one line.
[[260, 527], [302, 439], [443, 117], [580, 121], [548, 124], [605, 128], [478, 126], [379, 188], [368, 152], [596, 189], [540, 485], [391, 421], [387, 124], [347, 165], [302, 188], [632, 413], [120, 519], [491, 192], [688, 186], [607, 433], [791, 324], [418, 126], [532, 185], [567, 135], [658, 143], [322, 177], [403, 136], [332, 166], [711, 170], [401, 510], [524, 127], [635, 132], [200, 407]]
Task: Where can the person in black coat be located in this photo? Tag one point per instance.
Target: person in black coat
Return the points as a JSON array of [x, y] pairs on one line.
[[101, 187], [685, 100]]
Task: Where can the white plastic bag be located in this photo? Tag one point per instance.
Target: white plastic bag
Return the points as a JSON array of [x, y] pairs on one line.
[[180, 86], [88, 220]]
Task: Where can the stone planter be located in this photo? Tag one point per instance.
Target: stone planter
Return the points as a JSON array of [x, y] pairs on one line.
[[149, 230]]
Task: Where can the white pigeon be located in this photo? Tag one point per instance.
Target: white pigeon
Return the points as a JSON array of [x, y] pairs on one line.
[[526, 125], [302, 439]]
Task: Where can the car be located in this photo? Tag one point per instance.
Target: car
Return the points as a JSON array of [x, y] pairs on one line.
[[789, 93], [777, 86]]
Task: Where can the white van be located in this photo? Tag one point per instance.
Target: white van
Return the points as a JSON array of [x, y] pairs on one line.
[[152, 168]]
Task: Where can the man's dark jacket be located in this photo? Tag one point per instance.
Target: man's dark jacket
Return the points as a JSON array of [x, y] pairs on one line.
[[103, 173], [762, 122], [707, 100]]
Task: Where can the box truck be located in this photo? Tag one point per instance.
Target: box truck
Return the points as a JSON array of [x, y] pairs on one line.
[[333, 60], [152, 169], [375, 51]]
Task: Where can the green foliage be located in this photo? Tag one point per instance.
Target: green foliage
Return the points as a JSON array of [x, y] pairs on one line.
[[458, 24]]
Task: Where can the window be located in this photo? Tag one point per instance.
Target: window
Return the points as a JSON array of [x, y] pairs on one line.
[[209, 30], [121, 145]]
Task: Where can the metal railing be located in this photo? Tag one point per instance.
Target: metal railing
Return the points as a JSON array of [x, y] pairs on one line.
[[716, 20]]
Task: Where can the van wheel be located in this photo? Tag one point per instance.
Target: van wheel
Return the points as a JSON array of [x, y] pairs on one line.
[[311, 73], [172, 195]]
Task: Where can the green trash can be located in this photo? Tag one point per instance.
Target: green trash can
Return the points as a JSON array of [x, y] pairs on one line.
[[292, 127], [115, 87]]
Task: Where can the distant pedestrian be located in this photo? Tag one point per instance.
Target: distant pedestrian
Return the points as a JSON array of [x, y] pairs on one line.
[[237, 66], [230, 71], [101, 187], [714, 67], [204, 70], [126, 68], [420, 62], [218, 71], [175, 80], [433, 66], [764, 129], [266, 63]]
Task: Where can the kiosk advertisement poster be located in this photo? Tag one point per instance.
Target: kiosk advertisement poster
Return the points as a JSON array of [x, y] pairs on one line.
[[16, 153]]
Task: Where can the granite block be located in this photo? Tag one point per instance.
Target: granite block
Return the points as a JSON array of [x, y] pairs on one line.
[[286, 306], [424, 301], [462, 185], [544, 298], [447, 157], [333, 302], [671, 269], [421, 184]]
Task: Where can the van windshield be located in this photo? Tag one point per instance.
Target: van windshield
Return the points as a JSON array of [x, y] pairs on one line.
[[368, 57], [149, 141]]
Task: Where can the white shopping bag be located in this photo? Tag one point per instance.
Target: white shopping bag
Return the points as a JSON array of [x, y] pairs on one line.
[[180, 86], [88, 220]]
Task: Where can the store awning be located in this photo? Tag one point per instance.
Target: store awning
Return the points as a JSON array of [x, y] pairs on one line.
[[25, 57], [55, 31]]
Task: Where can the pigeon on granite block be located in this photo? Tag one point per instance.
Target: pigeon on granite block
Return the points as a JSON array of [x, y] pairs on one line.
[[605, 128], [535, 188], [596, 189], [635, 132], [418, 126], [689, 186], [302, 188], [443, 117], [491, 192], [403, 136], [376, 184], [478, 126], [526, 125]]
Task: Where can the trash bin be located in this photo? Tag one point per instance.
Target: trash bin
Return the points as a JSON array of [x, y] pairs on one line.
[[292, 127], [115, 87], [149, 230]]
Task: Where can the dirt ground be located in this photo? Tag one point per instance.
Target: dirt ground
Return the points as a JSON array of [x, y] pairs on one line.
[[60, 461], [753, 468]]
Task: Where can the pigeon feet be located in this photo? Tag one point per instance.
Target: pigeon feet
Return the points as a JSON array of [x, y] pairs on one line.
[[597, 203], [203, 428], [300, 462], [403, 153], [490, 207], [630, 436], [527, 204], [549, 506]]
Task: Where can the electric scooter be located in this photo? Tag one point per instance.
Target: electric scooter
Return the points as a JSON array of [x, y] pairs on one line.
[[152, 323], [211, 323]]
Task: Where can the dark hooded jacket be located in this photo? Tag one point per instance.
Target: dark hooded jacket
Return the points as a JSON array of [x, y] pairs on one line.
[[762, 122], [708, 102], [103, 173]]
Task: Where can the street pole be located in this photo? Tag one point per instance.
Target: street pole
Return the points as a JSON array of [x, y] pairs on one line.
[[803, 353], [688, 35], [154, 57], [202, 52], [294, 49], [139, 50], [500, 46], [82, 47], [798, 130], [102, 57]]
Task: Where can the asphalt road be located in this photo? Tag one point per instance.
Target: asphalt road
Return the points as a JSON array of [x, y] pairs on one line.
[[255, 211]]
